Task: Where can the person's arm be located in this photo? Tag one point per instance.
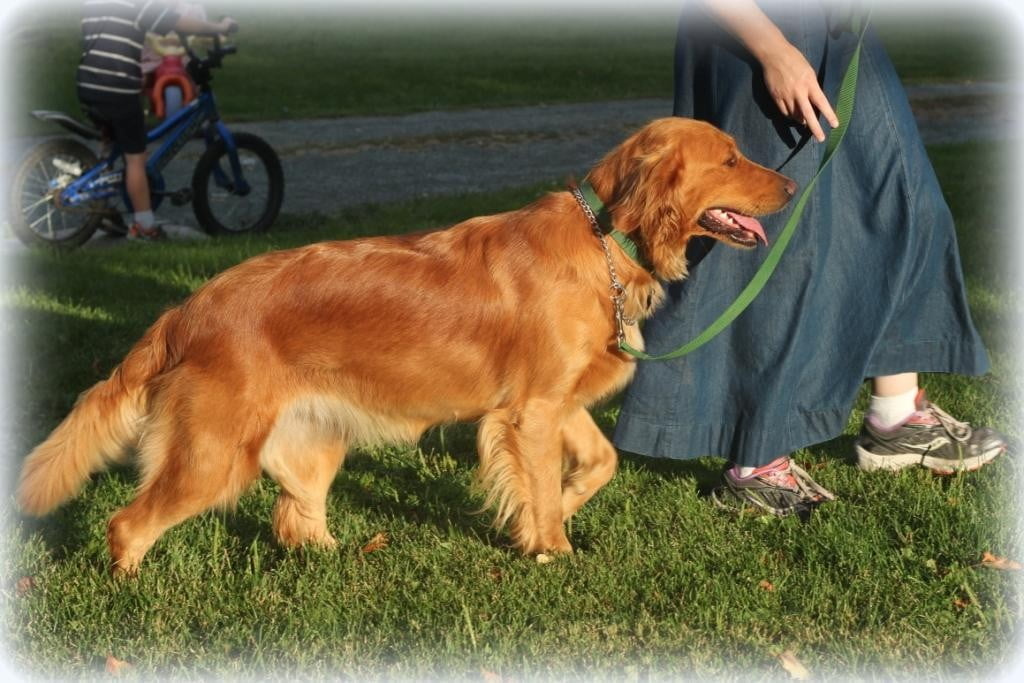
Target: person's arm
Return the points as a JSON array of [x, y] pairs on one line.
[[790, 79], [187, 24]]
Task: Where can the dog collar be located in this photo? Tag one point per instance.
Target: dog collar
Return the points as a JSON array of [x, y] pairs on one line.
[[603, 221]]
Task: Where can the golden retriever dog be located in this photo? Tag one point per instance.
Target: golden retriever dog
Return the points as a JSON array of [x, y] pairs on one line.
[[286, 361]]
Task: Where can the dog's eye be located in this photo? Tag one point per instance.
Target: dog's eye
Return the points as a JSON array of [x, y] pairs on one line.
[[733, 160]]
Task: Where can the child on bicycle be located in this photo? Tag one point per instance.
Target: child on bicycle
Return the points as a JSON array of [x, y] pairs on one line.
[[110, 84]]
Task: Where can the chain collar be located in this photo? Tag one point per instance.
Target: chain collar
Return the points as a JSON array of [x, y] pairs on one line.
[[618, 295]]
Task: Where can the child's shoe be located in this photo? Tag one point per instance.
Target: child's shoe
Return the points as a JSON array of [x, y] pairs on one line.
[[141, 234]]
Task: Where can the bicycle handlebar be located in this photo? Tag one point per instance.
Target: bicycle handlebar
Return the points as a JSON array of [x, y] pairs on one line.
[[216, 53], [199, 67]]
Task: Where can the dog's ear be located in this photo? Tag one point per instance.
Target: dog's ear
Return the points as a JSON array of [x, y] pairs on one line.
[[641, 183]]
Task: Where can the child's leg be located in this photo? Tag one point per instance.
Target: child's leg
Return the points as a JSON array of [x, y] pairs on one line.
[[137, 186], [127, 123]]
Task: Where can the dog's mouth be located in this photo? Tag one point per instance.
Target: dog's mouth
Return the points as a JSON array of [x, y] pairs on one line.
[[743, 230]]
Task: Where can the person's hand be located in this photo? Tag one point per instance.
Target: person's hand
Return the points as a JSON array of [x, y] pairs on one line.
[[793, 85], [227, 25]]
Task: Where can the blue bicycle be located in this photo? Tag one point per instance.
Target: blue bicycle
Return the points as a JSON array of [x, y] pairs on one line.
[[62, 193]]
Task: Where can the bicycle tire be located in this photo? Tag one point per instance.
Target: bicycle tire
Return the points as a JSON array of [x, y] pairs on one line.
[[252, 150], [27, 208]]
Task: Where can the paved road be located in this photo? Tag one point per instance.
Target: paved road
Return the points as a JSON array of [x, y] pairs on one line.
[[333, 163], [359, 160]]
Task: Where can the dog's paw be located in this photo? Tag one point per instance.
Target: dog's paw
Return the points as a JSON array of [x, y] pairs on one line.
[[124, 572], [325, 542], [551, 554]]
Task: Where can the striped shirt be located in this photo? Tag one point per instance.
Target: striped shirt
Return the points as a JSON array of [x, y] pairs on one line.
[[112, 36]]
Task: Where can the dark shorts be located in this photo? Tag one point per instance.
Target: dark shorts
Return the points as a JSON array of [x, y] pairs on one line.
[[123, 121]]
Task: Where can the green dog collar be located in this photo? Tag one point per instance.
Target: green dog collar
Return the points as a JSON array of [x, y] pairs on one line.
[[604, 222]]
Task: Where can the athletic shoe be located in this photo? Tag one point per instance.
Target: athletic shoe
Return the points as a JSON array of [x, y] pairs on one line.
[[780, 488], [141, 234], [929, 438]]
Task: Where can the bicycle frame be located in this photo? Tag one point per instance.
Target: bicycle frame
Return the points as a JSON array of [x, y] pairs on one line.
[[101, 182]]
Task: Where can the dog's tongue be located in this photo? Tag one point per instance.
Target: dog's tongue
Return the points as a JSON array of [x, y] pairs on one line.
[[751, 225]]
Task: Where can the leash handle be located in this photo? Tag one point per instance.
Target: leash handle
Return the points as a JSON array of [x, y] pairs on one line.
[[844, 111]]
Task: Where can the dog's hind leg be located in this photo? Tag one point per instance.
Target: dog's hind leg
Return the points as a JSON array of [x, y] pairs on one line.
[[521, 468], [590, 461], [189, 466], [304, 465]]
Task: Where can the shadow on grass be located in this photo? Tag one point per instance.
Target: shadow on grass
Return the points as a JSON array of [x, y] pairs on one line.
[[839, 450], [81, 522], [705, 472], [400, 487]]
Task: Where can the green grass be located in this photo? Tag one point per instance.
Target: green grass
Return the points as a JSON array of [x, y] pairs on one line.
[[884, 581], [343, 62]]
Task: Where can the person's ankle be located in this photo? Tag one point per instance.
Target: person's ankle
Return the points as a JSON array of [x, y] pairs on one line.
[[886, 412], [145, 219]]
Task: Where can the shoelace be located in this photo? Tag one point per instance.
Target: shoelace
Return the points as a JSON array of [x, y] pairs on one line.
[[790, 475], [961, 431], [809, 489]]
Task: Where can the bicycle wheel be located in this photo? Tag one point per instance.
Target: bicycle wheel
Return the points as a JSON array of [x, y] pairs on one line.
[[220, 207], [35, 215]]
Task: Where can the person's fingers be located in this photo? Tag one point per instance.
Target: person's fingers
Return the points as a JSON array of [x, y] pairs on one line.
[[820, 101], [811, 119], [783, 107]]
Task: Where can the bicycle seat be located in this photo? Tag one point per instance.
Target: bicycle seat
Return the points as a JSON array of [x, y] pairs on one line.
[[69, 122]]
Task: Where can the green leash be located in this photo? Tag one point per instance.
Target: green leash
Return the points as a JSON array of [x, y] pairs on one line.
[[844, 111]]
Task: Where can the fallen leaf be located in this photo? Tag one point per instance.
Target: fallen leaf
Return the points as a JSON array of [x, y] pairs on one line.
[[766, 585], [495, 573], [24, 585], [793, 666], [376, 543], [543, 559], [960, 603], [995, 562], [115, 667]]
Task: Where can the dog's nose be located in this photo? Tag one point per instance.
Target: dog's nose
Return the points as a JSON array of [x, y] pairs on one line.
[[791, 187]]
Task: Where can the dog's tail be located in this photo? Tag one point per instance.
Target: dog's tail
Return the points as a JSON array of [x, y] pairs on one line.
[[102, 423]]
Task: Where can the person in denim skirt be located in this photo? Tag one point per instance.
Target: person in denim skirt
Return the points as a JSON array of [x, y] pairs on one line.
[[870, 286]]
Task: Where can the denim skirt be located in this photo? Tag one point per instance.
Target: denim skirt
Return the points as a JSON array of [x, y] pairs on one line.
[[870, 285]]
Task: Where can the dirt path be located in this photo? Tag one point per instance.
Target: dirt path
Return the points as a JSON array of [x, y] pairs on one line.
[[333, 163]]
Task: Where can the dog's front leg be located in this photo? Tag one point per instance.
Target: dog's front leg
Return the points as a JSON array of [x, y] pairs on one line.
[[590, 461], [521, 466]]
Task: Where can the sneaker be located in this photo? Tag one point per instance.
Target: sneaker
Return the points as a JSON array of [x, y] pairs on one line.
[[929, 438], [141, 234], [780, 488]]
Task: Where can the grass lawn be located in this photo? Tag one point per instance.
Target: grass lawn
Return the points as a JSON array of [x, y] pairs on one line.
[[343, 61], [887, 580]]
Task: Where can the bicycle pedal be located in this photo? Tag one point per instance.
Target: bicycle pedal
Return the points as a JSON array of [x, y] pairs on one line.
[[113, 223], [115, 227], [181, 197]]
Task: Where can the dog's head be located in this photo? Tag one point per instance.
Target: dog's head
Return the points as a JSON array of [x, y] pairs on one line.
[[680, 178]]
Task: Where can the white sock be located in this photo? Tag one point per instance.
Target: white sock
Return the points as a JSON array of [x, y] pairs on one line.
[[145, 219], [889, 411]]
